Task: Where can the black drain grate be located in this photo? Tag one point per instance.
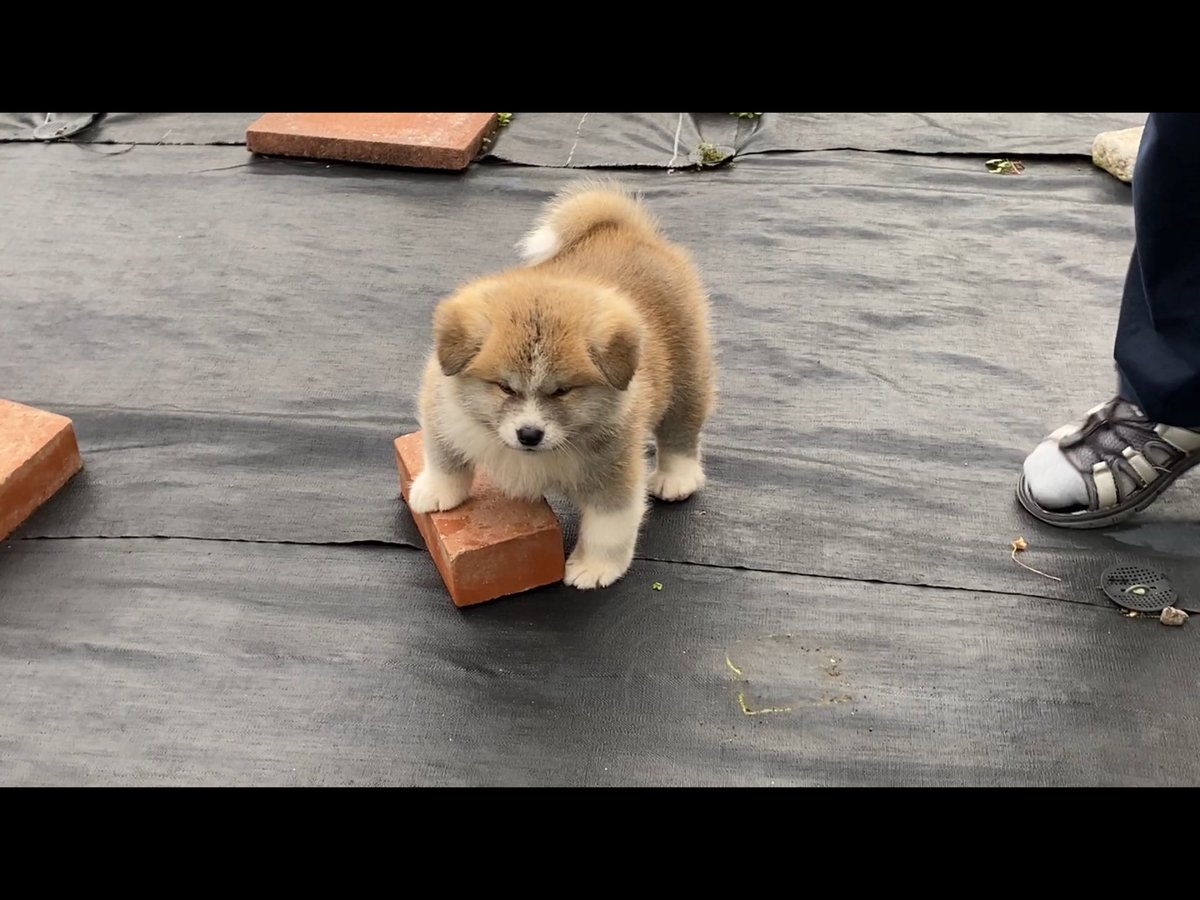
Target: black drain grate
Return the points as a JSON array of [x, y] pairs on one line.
[[1138, 588]]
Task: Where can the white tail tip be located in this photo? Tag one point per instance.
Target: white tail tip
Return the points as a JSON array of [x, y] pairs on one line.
[[539, 245]]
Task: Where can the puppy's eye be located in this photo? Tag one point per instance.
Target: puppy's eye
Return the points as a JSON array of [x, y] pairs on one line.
[[504, 387], [562, 392]]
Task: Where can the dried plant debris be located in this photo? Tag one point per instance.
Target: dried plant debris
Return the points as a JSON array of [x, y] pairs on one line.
[[1005, 166], [1021, 544], [708, 155], [761, 711], [827, 694]]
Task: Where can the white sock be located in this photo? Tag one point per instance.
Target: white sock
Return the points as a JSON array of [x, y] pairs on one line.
[[1053, 481]]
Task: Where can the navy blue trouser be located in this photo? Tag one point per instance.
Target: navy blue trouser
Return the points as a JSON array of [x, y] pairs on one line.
[[1158, 335]]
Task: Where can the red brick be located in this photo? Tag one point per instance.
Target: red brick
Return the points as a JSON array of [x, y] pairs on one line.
[[38, 455], [420, 140], [491, 546]]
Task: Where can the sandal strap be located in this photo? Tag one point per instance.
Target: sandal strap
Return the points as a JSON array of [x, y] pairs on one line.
[[1182, 439], [1141, 465], [1093, 417], [1105, 486]]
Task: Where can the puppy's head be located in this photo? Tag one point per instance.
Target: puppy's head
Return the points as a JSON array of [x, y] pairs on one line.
[[543, 362]]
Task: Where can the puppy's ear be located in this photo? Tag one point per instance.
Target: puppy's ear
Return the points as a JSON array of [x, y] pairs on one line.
[[459, 330], [616, 348]]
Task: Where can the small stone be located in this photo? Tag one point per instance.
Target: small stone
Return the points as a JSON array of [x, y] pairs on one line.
[[1173, 616], [1116, 151]]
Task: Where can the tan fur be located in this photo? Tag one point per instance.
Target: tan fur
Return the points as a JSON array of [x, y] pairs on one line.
[[578, 209], [617, 318]]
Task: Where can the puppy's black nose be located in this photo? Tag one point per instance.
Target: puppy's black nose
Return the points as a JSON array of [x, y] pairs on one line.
[[530, 437]]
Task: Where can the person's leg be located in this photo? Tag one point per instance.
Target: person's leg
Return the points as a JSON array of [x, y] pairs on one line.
[[1158, 336], [1126, 452]]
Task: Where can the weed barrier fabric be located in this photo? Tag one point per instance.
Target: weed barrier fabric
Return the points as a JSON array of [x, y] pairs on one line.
[[141, 662], [671, 140], [136, 128]]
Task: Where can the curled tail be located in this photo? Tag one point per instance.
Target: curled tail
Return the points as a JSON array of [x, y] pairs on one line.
[[576, 211]]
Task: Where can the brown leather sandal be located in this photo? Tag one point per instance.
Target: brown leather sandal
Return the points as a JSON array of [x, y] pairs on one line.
[[1130, 460]]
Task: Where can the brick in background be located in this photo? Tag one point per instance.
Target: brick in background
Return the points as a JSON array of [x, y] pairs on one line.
[[420, 140], [491, 546], [38, 455]]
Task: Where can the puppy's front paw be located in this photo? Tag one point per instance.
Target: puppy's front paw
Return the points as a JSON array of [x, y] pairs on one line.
[[433, 491], [586, 572], [676, 478]]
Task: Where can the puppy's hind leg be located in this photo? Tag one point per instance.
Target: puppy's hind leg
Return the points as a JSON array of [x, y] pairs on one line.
[[678, 472]]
